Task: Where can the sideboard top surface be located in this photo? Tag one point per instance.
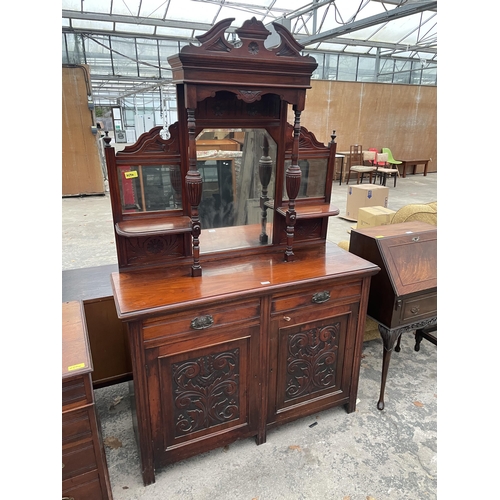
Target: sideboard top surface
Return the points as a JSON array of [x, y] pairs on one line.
[[138, 293]]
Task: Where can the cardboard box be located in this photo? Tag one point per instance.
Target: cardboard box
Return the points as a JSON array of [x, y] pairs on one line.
[[374, 216], [365, 195]]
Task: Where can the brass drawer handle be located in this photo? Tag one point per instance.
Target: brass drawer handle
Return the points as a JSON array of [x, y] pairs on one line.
[[202, 322], [415, 309], [320, 297], [68, 498]]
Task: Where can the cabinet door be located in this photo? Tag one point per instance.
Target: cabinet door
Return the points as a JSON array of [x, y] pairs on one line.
[[311, 355], [203, 394], [309, 373]]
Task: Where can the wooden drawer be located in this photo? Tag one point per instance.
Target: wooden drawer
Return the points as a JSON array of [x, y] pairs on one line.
[[84, 487], [210, 316], [78, 459], [76, 426], [76, 392], [326, 293], [418, 308]]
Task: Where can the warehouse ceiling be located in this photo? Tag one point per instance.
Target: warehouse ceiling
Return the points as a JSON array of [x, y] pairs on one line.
[[405, 29]]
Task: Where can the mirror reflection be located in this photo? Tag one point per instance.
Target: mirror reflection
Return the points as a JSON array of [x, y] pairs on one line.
[[149, 188], [238, 168], [312, 183]]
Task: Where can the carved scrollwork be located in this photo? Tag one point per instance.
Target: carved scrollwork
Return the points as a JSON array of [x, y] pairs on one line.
[[389, 336], [206, 391], [311, 361], [249, 95]]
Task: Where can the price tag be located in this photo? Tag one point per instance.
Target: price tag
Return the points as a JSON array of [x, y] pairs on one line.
[[131, 175], [76, 367]]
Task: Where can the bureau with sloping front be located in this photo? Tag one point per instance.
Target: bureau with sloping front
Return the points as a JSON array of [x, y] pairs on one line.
[[403, 296]]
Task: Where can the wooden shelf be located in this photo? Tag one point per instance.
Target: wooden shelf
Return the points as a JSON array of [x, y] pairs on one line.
[[310, 211], [150, 227]]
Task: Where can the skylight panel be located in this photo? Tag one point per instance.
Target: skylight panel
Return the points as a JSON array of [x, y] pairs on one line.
[[195, 12], [126, 7], [154, 9], [71, 5], [175, 32], [247, 3], [289, 5], [135, 28], [92, 25], [99, 6]]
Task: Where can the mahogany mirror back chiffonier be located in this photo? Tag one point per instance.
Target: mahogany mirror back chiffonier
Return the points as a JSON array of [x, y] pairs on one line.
[[240, 315]]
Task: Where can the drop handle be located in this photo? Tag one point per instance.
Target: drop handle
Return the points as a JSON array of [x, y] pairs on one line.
[[202, 322], [415, 309], [321, 297]]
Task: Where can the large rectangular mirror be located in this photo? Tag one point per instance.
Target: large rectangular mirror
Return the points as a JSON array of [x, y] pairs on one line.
[[238, 169]]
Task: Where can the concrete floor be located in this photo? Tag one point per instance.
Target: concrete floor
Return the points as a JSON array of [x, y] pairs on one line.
[[368, 454]]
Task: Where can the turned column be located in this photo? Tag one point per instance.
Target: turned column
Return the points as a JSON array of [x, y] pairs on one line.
[[293, 178], [194, 185]]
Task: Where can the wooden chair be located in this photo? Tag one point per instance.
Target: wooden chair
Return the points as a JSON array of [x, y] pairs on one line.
[[384, 170], [357, 164]]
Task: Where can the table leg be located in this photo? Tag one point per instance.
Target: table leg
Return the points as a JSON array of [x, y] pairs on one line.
[[389, 338], [341, 171], [425, 168], [404, 169]]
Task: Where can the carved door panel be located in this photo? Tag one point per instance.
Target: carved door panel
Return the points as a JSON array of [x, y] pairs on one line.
[[310, 368], [203, 396]]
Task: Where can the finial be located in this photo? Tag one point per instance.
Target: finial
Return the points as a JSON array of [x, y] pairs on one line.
[[106, 139]]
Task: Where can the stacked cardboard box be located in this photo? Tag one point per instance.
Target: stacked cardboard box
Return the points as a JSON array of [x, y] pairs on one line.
[[374, 216], [365, 195]]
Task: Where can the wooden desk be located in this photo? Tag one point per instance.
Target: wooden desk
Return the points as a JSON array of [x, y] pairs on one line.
[[403, 296], [84, 469], [414, 163]]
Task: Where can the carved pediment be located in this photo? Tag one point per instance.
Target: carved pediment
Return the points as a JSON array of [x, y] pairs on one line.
[[307, 140], [252, 34], [151, 143]]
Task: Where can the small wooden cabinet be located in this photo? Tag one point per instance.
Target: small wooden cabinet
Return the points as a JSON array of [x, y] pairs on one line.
[[84, 469]]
